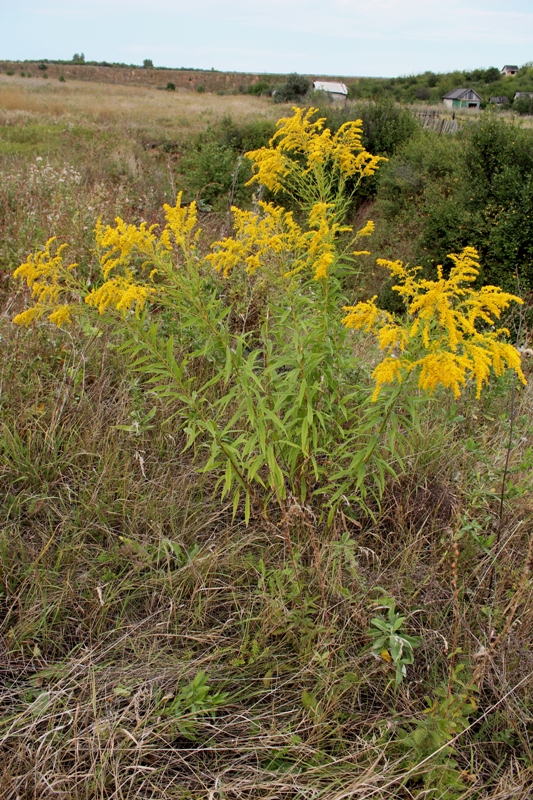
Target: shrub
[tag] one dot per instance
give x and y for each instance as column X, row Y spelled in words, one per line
column 200, row 88
column 61, row 78
column 523, row 106
column 474, row 188
column 422, row 93
column 170, row 87
column 260, row 88
column 10, row 72
column 293, row 90
column 214, row 168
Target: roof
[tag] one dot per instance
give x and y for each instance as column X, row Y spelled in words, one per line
column 330, row 86
column 457, row 94
column 510, row 66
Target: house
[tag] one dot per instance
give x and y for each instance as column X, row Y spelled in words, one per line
column 499, row 101
column 335, row 91
column 522, row 94
column 462, row 98
column 509, row 69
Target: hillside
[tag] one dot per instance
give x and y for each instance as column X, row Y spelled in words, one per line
column 210, row 80
column 428, row 87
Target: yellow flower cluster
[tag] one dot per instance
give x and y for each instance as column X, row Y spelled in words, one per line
column 274, row 237
column 450, row 323
column 124, row 246
column 120, row 292
column 181, row 222
column 309, row 145
column 117, row 245
column 47, row 277
column 126, row 253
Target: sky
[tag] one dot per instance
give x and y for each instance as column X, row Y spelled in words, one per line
column 330, row 37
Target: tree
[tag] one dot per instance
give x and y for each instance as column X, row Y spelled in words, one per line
column 492, row 74
column 78, row 58
column 148, row 63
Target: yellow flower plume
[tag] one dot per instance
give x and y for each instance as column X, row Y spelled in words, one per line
column 47, row 276
column 447, row 322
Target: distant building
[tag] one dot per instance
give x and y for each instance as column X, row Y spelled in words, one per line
column 509, row 69
column 499, row 101
column 523, row 94
column 462, row 98
column 336, row 91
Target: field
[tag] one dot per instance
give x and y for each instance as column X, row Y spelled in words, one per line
column 231, row 567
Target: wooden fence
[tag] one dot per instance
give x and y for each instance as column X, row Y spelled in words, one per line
column 432, row 121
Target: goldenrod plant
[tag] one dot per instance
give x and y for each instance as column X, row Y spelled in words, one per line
column 283, row 410
column 449, row 334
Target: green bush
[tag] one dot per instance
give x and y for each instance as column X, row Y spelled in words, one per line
column 294, row 89
column 523, row 106
column 214, row 169
column 170, row 87
column 474, row 188
column 260, row 88
column 200, row 88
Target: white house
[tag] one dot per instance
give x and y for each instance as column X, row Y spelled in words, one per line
column 335, row 91
column 462, row 98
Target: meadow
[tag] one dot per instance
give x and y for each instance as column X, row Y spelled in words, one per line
column 245, row 552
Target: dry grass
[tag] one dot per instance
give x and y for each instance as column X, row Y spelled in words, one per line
column 128, row 105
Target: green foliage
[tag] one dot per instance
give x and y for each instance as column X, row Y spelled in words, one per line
column 447, row 714
column 192, row 702
column 78, row 58
column 389, row 640
column 293, row 90
column 279, row 414
column 61, row 79
column 148, row 63
column 170, row 87
column 132, row 602
column 260, row 88
column 523, row 106
column 214, row 169
column 387, row 127
column 474, row 188
column 429, row 87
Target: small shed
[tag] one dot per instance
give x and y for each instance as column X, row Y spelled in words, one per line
column 510, row 69
column 462, row 98
column 500, row 100
column 335, row 91
column 523, row 94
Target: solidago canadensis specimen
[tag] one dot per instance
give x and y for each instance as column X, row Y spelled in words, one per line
column 448, row 337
